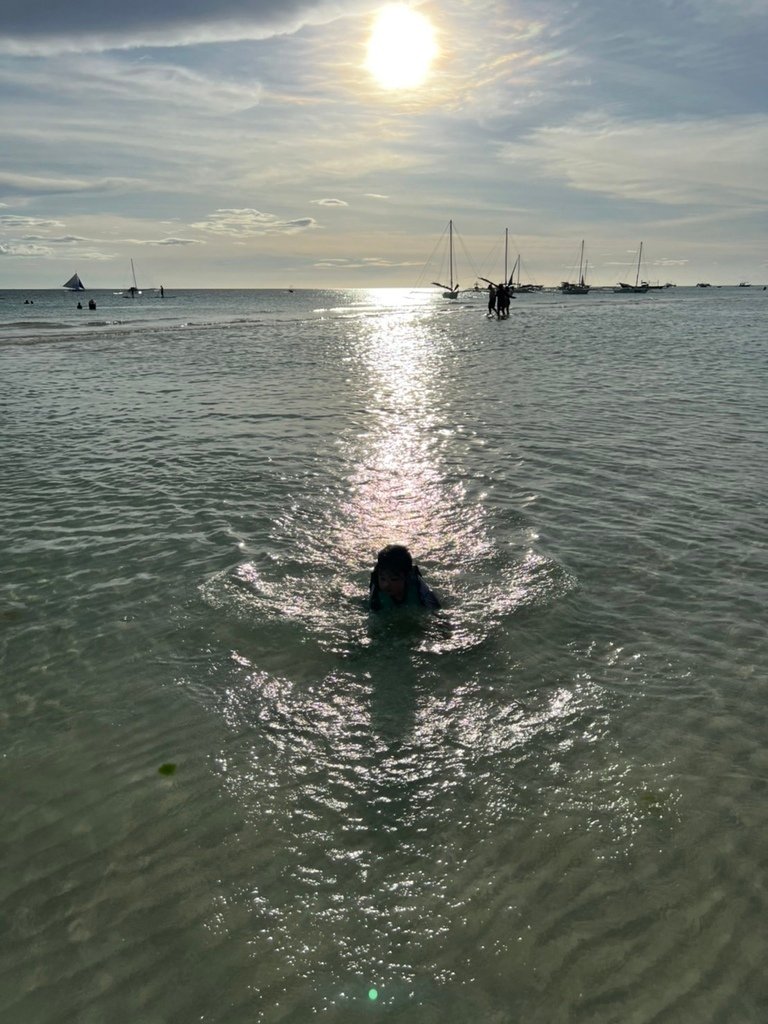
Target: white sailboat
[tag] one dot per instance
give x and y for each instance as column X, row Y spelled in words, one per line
column 74, row 284
column 638, row 287
column 452, row 289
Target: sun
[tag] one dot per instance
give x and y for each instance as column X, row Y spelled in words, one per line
column 401, row 48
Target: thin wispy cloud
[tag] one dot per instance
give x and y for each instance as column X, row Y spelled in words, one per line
column 241, row 223
column 175, row 241
column 52, row 240
column 14, row 222
column 366, row 262
column 32, row 184
column 24, row 250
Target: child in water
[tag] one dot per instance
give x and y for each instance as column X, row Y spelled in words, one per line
column 396, row 582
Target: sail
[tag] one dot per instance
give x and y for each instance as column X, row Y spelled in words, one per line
column 74, row 284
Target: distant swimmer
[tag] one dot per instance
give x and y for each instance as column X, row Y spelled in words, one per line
column 396, row 582
column 162, row 292
column 91, row 304
column 79, row 305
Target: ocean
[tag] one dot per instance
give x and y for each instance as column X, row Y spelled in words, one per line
column 231, row 794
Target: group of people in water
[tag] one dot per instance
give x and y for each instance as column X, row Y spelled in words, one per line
column 91, row 304
column 499, row 296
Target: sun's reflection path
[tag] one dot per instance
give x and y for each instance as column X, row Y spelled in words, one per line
column 409, row 462
column 371, row 748
column 404, row 486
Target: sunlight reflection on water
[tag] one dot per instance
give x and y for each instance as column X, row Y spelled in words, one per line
column 405, row 474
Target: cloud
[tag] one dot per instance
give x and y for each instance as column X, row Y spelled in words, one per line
column 155, row 241
column 32, row 250
column 345, row 263
column 328, row 202
column 24, row 250
column 246, row 222
column 61, row 240
column 31, row 184
column 374, row 195
column 14, row 222
column 700, row 161
column 40, row 27
column 177, row 241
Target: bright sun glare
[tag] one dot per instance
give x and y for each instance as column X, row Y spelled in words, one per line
column 401, row 48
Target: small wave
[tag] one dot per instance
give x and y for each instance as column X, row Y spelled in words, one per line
column 52, row 325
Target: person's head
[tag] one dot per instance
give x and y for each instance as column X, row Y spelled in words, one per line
column 394, row 565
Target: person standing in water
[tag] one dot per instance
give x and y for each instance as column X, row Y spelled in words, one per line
column 396, row 582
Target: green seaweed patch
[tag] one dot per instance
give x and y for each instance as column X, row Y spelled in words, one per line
column 167, row 769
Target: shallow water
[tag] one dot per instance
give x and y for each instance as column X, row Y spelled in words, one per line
column 546, row 803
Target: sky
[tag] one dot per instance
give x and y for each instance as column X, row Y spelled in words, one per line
column 246, row 143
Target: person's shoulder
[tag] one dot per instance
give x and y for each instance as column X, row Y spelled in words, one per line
column 427, row 596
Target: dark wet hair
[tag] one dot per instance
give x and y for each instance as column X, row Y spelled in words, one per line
column 395, row 558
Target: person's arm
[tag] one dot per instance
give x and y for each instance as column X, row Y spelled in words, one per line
column 426, row 596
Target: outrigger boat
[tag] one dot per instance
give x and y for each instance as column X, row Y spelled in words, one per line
column 582, row 288
column 451, row 290
column 74, row 284
column 639, row 286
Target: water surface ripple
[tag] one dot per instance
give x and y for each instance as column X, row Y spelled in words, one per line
column 545, row 803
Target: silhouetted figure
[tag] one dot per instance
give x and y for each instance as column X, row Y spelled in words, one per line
column 396, row 582
column 502, row 301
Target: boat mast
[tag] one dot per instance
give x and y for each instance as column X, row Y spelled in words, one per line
column 506, row 251
column 450, row 250
column 133, row 275
column 639, row 257
column 581, row 263
column 515, row 267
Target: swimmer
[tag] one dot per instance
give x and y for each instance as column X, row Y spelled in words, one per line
column 396, row 582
